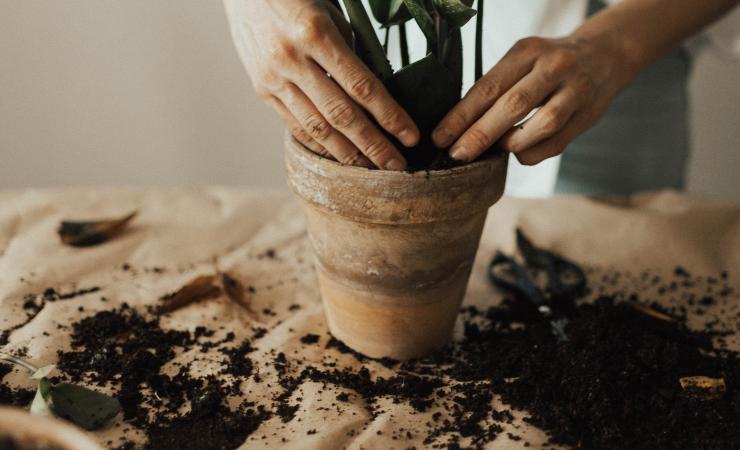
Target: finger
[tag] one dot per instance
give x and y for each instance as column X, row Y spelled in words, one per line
column 555, row 145
column 319, row 129
column 349, row 72
column 547, row 121
column 294, row 127
column 484, row 93
column 346, row 117
column 509, row 109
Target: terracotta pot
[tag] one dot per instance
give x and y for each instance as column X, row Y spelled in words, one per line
column 27, row 431
column 393, row 249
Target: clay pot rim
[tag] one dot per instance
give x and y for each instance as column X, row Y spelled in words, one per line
column 362, row 172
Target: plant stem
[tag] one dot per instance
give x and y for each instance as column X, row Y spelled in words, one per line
column 404, row 42
column 373, row 54
column 441, row 36
column 452, row 56
column 385, row 40
column 25, row 364
column 479, row 42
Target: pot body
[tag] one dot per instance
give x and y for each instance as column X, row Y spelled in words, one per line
column 393, row 250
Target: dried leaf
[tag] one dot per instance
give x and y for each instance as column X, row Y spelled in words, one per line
column 704, row 387
column 235, row 292
column 198, row 289
column 650, row 312
column 86, row 408
column 86, row 234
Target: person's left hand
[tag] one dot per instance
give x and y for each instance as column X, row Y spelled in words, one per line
column 571, row 80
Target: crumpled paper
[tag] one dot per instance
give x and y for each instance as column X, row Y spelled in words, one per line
column 189, row 232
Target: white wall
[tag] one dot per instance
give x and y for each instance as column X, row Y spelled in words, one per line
column 151, row 92
column 128, row 92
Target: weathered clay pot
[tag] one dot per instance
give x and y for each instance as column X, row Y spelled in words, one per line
column 393, row 249
column 27, row 431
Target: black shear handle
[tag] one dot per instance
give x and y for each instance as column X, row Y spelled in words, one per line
column 565, row 279
column 506, row 273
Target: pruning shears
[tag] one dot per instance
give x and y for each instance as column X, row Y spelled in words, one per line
column 566, row 281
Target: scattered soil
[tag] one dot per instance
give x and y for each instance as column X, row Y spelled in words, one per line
column 310, row 338
column 614, row 383
column 13, row 396
column 129, row 350
column 33, row 304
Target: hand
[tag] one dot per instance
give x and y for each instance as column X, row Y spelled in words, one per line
column 297, row 54
column 572, row 80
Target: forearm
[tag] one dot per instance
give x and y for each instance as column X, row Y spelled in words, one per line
column 641, row 31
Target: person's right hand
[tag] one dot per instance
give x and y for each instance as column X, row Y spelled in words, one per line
column 300, row 62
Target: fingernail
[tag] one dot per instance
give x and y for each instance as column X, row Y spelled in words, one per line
column 458, row 153
column 442, row 137
column 407, row 137
column 395, row 164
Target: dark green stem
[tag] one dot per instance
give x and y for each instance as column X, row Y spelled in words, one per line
column 452, row 56
column 479, row 42
column 404, row 42
column 385, row 40
column 373, row 54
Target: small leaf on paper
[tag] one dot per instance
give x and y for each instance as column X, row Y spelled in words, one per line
column 86, row 234
column 86, row 408
column 43, row 372
column 703, row 387
column 235, row 291
column 201, row 288
column 40, row 404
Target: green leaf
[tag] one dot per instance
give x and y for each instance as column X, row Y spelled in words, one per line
column 456, row 12
column 389, row 12
column 422, row 17
column 367, row 45
column 40, row 403
column 86, row 408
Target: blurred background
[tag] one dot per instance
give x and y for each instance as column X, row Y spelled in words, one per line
column 143, row 92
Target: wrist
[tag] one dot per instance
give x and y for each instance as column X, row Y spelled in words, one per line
column 616, row 33
column 614, row 58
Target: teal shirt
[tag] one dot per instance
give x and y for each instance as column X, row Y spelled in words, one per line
column 641, row 143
